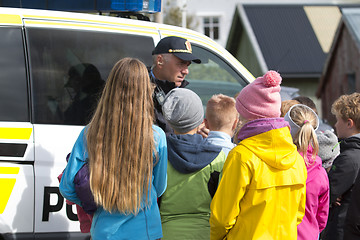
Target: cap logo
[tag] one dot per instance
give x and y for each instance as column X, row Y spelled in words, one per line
column 188, row 46
column 187, row 50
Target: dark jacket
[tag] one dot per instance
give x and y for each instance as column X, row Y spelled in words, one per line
column 190, row 153
column 164, row 87
column 82, row 188
column 342, row 177
column 352, row 221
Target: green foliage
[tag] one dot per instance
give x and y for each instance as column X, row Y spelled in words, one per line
column 173, row 16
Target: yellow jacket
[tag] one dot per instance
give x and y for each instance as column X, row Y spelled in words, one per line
column 261, row 194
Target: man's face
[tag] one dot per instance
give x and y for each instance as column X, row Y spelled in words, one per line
column 174, row 69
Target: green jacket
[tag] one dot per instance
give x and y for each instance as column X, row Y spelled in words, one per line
column 185, row 205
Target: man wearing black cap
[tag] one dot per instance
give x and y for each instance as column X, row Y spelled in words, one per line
column 171, row 59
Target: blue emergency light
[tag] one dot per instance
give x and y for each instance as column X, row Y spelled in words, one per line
column 149, row 6
column 136, row 5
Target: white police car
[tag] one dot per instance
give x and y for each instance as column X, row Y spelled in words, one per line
column 50, row 64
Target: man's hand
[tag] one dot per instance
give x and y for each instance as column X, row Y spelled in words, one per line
column 338, row 202
column 203, row 131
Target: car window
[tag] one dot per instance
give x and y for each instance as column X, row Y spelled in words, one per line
column 213, row 76
column 13, row 85
column 69, row 69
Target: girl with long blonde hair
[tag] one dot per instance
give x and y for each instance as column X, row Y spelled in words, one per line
column 126, row 156
column 303, row 123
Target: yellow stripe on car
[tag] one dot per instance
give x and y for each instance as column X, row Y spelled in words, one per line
column 92, row 21
column 83, row 25
column 7, row 185
column 15, row 133
column 10, row 19
column 9, row 170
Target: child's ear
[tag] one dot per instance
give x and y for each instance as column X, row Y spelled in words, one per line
column 235, row 124
column 206, row 123
column 350, row 123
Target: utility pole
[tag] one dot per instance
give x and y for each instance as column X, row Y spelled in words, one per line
column 183, row 11
column 159, row 15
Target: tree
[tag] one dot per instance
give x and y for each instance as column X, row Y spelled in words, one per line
column 173, row 16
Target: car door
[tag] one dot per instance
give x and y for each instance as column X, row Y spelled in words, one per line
column 16, row 133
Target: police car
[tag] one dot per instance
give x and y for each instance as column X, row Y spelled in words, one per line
column 51, row 65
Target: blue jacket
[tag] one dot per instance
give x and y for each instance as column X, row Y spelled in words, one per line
column 146, row 224
column 221, row 139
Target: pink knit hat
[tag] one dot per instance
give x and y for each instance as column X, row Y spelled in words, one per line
column 261, row 98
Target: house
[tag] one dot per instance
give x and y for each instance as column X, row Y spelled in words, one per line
column 214, row 17
column 293, row 39
column 341, row 73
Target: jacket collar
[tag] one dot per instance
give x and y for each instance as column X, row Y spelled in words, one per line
column 261, row 125
column 165, row 85
column 189, row 153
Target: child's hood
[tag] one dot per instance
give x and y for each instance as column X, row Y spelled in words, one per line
column 190, row 153
column 313, row 166
column 352, row 142
column 273, row 145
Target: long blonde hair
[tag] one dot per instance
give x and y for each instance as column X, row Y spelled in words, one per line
column 120, row 139
column 307, row 121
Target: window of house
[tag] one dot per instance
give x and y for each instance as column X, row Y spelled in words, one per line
column 211, row 27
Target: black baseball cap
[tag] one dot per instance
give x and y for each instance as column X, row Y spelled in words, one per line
column 178, row 46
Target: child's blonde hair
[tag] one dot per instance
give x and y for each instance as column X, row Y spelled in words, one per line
column 221, row 112
column 286, row 105
column 306, row 122
column 348, row 106
column 120, row 139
